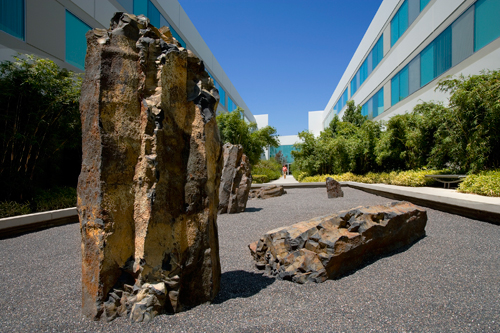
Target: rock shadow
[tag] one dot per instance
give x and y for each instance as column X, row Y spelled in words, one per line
column 241, row 284
column 253, row 209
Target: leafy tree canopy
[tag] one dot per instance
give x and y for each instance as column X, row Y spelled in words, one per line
column 39, row 122
column 234, row 129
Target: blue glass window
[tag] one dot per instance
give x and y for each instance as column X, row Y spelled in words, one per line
column 427, row 65
column 128, row 5
column 462, row 37
column 442, row 52
column 487, row 23
column 153, row 15
column 231, row 106
column 423, row 3
column 12, row 17
column 363, row 72
column 141, row 7
column 400, row 86
column 286, row 150
column 378, row 52
column 374, row 106
column 371, row 62
column 176, row 36
column 76, row 42
column 395, row 89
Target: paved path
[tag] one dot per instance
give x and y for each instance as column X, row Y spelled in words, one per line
column 289, row 180
column 447, row 282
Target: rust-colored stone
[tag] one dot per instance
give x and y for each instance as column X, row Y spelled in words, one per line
column 148, row 188
column 330, row 246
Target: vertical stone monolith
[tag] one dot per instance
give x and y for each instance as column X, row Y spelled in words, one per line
column 236, row 180
column 148, row 188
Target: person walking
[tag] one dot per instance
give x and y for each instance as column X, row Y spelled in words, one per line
column 285, row 169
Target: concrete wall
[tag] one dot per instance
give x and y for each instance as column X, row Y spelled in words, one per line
column 315, row 121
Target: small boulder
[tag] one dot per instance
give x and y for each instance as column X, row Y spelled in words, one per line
column 333, row 188
column 267, row 192
column 330, row 246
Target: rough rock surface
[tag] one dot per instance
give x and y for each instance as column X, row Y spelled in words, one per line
column 330, row 246
column 148, row 188
column 333, row 188
column 236, row 180
column 267, row 192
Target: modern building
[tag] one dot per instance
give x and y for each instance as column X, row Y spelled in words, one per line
column 55, row 29
column 408, row 48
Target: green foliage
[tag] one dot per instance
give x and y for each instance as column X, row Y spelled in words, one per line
column 270, row 168
column 352, row 114
column 484, row 183
column 344, row 146
column 234, row 129
column 40, row 132
column 44, row 200
column 414, row 178
column 473, row 139
column 259, row 179
column 12, row 208
column 55, row 198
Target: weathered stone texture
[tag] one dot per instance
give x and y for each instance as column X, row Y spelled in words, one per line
column 328, row 247
column 266, row 192
column 148, row 188
column 333, row 188
column 236, row 180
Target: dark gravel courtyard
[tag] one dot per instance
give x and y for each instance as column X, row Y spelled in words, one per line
column 449, row 281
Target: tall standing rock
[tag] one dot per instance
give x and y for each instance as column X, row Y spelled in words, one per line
column 236, row 180
column 148, row 188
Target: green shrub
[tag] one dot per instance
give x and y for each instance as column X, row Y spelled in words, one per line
column 484, row 183
column 12, row 208
column 270, row 168
column 259, row 179
column 55, row 198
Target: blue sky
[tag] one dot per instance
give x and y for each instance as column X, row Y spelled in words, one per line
column 285, row 58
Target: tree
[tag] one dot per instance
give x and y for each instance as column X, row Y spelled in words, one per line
column 352, row 114
column 39, row 124
column 234, row 129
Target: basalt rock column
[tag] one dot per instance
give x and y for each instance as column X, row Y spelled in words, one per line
column 236, row 180
column 148, row 189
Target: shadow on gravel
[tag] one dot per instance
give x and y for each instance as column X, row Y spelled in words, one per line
column 253, row 209
column 243, row 284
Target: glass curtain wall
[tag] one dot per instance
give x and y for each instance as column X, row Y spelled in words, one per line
column 12, row 17
column 474, row 29
column 374, row 106
column 371, row 62
column 76, row 42
column 406, row 14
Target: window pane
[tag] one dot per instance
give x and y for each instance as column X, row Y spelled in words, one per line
column 176, row 36
column 442, row 52
column 403, row 18
column 12, row 17
column 403, row 83
column 369, row 63
column 163, row 22
column 141, row 7
column 353, row 86
column 462, row 37
column 76, row 42
column 395, row 29
column 364, row 109
column 380, row 104
column 427, row 65
column 423, row 3
column 153, row 15
column 395, row 89
column 363, row 72
column 487, row 22
column 414, row 75
column 128, row 5
column 378, row 52
column 413, row 10
column 370, row 108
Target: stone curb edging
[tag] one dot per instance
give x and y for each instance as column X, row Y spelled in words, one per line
column 11, row 226
column 484, row 211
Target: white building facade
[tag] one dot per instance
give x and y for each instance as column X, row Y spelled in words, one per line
column 55, row 29
column 408, row 48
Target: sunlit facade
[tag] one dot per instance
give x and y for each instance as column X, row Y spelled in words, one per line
column 408, row 48
column 56, row 30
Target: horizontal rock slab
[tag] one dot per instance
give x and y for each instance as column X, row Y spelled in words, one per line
column 330, row 246
column 267, row 192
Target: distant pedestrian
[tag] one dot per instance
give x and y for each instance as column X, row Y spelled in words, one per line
column 285, row 169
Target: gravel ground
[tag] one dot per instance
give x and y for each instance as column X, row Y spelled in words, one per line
column 448, row 281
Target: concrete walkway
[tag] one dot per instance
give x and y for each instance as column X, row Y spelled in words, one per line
column 289, row 180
